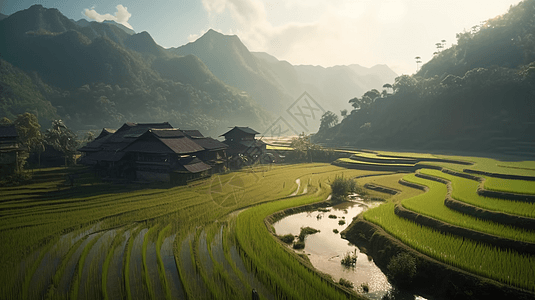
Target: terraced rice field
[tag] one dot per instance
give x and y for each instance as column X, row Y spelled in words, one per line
column 111, row 241
column 209, row 239
column 513, row 267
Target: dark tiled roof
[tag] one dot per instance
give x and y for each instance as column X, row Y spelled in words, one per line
column 193, row 165
column 105, row 132
column 198, row 167
column 242, row 129
column 8, row 131
column 210, row 143
column 95, row 145
column 193, row 133
column 133, row 130
column 163, row 141
column 167, row 133
column 182, row 145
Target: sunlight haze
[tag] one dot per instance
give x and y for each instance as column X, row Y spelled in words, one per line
column 311, row 32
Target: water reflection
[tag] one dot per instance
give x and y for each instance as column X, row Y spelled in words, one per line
column 326, row 248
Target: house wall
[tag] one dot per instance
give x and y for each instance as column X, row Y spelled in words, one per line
column 239, row 136
column 152, row 176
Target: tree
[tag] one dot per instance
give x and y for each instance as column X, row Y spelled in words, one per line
column 328, row 120
column 343, row 113
column 366, row 101
column 5, row 121
column 62, row 139
column 418, row 62
column 29, row 132
column 404, row 84
column 388, row 86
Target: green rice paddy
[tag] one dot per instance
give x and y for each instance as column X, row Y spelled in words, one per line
column 209, row 239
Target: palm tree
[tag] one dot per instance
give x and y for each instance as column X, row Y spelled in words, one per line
column 418, row 62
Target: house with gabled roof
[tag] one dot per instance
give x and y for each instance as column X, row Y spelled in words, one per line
column 155, row 152
column 242, row 143
column 167, row 155
column 105, row 152
column 9, row 149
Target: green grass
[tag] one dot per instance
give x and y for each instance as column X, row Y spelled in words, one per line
column 510, row 186
column 352, row 161
column 432, row 204
column 377, row 157
column 502, row 265
column 465, row 190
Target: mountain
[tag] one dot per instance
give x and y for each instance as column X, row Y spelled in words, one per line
column 144, row 43
column 20, row 93
column 102, row 74
column 276, row 84
column 121, row 26
column 477, row 95
column 97, row 75
column 229, row 59
column 332, row 86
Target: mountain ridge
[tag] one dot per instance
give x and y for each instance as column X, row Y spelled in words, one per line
column 476, row 96
column 82, row 53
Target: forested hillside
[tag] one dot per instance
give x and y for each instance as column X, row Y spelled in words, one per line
column 97, row 75
column 478, row 95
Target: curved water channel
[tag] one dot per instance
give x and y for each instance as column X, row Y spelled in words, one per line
column 326, row 248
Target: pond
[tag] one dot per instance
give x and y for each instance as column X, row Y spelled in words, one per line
column 326, row 248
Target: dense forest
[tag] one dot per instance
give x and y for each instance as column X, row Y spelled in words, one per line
column 478, row 95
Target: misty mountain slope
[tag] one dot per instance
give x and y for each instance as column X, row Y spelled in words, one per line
column 19, row 94
column 144, row 43
column 96, row 82
column 477, row 95
column 228, row 59
column 332, row 87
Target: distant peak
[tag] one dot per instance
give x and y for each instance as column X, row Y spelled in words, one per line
column 36, row 6
column 144, row 36
column 211, row 31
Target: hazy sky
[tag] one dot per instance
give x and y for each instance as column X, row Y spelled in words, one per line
column 327, row 33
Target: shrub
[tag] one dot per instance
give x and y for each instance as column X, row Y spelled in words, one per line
column 335, row 230
column 401, row 269
column 324, row 210
column 341, row 222
column 346, row 283
column 287, row 238
column 342, row 187
column 350, row 259
column 299, row 245
column 306, row 231
column 365, row 287
column 332, row 217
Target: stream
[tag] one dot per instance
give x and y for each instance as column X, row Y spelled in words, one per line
column 326, row 248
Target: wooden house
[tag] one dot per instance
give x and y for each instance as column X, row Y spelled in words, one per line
column 166, row 155
column 9, row 150
column 106, row 153
column 242, row 143
column 154, row 152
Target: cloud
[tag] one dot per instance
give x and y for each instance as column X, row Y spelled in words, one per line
column 121, row 16
column 329, row 33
